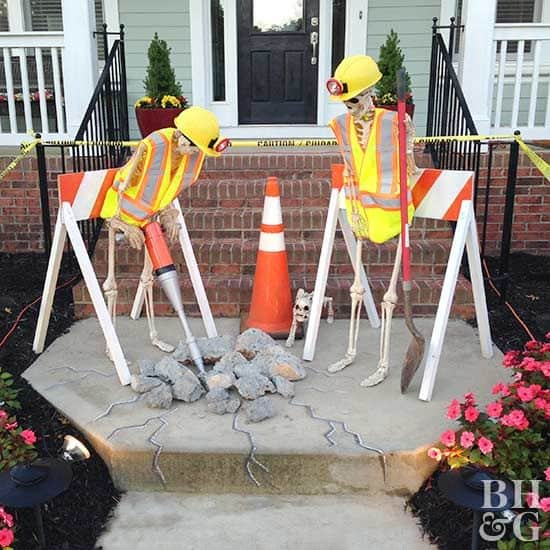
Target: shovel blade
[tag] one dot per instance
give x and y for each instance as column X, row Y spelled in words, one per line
column 415, row 351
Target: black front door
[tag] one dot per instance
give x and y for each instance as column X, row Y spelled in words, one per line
column 277, row 61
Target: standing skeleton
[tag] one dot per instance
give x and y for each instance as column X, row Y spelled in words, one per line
column 134, row 235
column 362, row 109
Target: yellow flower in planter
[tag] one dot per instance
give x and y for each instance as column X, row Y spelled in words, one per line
column 168, row 101
column 144, row 101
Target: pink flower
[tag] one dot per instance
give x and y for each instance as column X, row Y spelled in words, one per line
column 470, row 398
column 515, row 419
column 453, row 412
column 6, row 537
column 547, row 335
column 467, row 439
column 3, row 414
column 485, row 445
column 532, row 500
column 435, row 453
column 529, row 364
column 511, row 359
column 545, row 369
column 6, row 518
column 501, row 388
column 471, row 414
column 545, row 504
column 535, row 388
column 540, row 403
column 448, row 438
column 525, row 394
column 532, row 345
column 11, row 426
column 547, row 473
column 494, row 409
column 28, row 437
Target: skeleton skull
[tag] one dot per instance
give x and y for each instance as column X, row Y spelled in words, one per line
column 361, row 105
column 302, row 305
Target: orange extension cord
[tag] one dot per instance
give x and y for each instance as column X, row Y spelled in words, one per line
column 29, row 305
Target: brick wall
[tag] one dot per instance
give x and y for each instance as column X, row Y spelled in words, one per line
column 21, row 222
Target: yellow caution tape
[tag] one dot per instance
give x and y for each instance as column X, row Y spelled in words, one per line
column 26, row 148
column 538, row 161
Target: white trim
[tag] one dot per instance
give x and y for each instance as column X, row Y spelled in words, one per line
column 227, row 111
column 112, row 19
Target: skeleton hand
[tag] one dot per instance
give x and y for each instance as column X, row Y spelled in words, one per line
column 169, row 221
column 133, row 234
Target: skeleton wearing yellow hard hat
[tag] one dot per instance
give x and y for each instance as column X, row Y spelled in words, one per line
column 368, row 140
column 166, row 162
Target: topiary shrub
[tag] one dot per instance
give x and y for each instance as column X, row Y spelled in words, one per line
column 161, row 78
column 390, row 60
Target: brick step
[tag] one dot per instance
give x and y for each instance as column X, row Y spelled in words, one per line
column 307, row 222
column 238, row 256
column 230, row 296
column 240, row 193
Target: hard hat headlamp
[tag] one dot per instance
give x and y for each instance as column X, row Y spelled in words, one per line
column 219, row 144
column 336, row 87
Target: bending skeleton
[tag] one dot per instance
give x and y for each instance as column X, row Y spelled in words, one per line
column 362, row 110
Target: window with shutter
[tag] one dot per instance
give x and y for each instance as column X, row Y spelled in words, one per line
column 4, row 23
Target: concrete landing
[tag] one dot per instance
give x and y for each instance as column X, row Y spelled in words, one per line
column 226, row 522
column 189, row 449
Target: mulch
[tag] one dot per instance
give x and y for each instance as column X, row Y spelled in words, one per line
column 443, row 523
column 75, row 519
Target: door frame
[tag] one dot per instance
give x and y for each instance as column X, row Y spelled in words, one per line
column 227, row 111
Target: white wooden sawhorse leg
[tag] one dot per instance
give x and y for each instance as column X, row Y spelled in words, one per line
column 194, row 274
column 335, row 214
column 465, row 235
column 66, row 224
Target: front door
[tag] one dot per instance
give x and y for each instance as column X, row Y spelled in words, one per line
column 278, row 59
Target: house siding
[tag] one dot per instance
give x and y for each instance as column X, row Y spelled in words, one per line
column 413, row 25
column 141, row 18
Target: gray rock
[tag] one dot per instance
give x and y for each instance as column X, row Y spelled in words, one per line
column 230, row 361
column 187, row 387
column 169, row 370
column 159, row 397
column 262, row 363
column 247, row 369
column 220, row 401
column 284, row 387
column 220, row 380
column 251, row 341
column 259, row 409
column 212, row 349
column 253, row 386
column 146, row 367
column 143, row 384
column 283, row 363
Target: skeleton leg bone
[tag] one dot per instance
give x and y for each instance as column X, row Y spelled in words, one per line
column 387, row 307
column 327, row 301
column 356, row 292
column 110, row 289
column 146, row 279
column 292, row 334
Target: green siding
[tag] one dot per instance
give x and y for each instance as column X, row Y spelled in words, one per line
column 141, row 18
column 413, row 25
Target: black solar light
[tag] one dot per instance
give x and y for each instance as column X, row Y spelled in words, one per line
column 466, row 487
column 31, row 485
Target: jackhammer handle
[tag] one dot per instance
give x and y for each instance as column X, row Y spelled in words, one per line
column 401, row 76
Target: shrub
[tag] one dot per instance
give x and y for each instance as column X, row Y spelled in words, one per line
column 390, row 60
column 8, row 394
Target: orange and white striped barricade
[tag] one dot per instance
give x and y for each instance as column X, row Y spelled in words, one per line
column 448, row 195
column 194, row 274
column 81, row 197
column 336, row 214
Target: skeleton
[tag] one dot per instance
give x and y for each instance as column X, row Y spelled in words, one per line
column 361, row 108
column 300, row 312
column 135, row 237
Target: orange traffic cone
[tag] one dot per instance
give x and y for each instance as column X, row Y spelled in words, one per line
column 271, row 306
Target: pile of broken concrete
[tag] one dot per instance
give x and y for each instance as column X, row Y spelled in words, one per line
column 238, row 370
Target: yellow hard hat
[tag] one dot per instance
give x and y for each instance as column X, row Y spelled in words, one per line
column 353, row 75
column 201, row 127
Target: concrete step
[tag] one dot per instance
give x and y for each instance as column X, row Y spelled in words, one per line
column 262, row 522
column 323, row 441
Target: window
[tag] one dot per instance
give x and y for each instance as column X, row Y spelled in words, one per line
column 338, row 32
column 218, row 57
column 517, row 11
column 4, row 23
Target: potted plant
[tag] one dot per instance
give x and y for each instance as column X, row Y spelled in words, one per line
column 164, row 100
column 390, row 60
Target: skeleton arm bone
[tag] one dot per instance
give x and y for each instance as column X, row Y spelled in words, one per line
column 411, row 133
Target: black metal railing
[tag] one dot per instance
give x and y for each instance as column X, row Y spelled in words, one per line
column 105, row 120
column 449, row 115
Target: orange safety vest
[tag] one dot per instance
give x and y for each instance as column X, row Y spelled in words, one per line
column 157, row 183
column 375, row 174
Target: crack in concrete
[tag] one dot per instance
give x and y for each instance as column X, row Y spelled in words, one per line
column 113, row 405
column 356, row 436
column 151, row 439
column 89, row 373
column 252, row 454
column 344, row 392
column 159, row 446
column 336, row 375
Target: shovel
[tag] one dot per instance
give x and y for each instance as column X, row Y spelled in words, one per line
column 415, row 351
